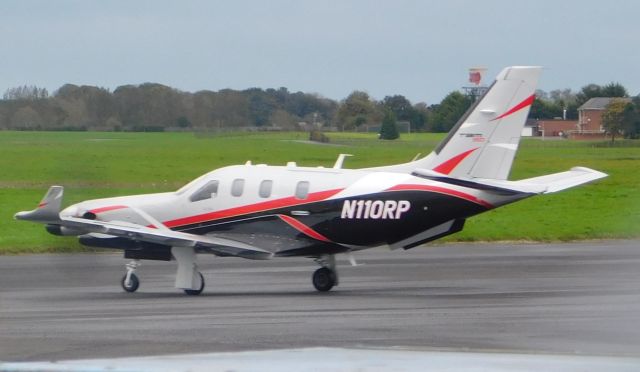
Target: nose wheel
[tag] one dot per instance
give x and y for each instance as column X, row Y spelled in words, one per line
column 131, row 284
column 130, row 281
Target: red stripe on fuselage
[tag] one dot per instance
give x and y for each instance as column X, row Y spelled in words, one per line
column 527, row 102
column 107, row 209
column 252, row 208
column 303, row 228
column 442, row 190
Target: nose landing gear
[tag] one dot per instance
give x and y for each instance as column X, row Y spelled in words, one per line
column 130, row 281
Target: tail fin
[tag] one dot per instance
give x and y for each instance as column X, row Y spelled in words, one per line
column 484, row 142
column 48, row 210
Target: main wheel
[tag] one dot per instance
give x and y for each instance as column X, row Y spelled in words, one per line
column 324, row 279
column 133, row 284
column 193, row 292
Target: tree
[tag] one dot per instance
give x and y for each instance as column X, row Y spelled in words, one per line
column 389, row 129
column 446, row 114
column 632, row 119
column 595, row 90
column 613, row 117
column 261, row 106
column 26, row 92
column 183, row 122
column 26, row 118
column 404, row 110
column 282, row 119
column 421, row 114
column 399, row 105
column 552, row 105
column 587, row 92
column 355, row 110
column 614, row 90
column 543, row 108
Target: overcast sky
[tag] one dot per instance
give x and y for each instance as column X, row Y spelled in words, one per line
column 420, row 49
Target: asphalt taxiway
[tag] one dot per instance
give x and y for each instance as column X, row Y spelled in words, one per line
column 577, row 298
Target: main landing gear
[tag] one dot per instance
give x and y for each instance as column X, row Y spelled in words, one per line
column 188, row 278
column 325, row 277
column 195, row 292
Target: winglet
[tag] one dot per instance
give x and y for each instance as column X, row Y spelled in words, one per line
column 48, row 210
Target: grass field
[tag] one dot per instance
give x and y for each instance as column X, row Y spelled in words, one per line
column 94, row 165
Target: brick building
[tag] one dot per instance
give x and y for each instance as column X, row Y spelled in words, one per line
column 556, row 127
column 590, row 118
column 588, row 126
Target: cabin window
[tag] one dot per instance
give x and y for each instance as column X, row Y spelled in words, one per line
column 302, row 189
column 208, row 191
column 265, row 188
column 237, row 187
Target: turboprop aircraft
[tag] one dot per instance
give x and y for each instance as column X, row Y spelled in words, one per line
column 263, row 212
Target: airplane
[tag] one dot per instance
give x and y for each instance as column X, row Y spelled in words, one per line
column 263, row 212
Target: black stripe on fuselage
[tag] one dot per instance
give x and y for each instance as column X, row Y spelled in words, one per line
column 428, row 209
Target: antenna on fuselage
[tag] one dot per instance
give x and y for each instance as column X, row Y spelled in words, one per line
column 340, row 161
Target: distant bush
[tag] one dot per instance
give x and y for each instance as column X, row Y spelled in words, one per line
column 53, row 129
column 318, row 136
column 147, row 128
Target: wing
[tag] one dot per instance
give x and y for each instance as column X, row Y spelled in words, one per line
column 239, row 238
column 282, row 234
column 219, row 246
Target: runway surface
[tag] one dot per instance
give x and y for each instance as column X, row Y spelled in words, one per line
column 550, row 298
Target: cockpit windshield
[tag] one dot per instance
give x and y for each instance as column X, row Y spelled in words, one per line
column 191, row 184
column 208, row 191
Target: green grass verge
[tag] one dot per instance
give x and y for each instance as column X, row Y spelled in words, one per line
column 93, row 165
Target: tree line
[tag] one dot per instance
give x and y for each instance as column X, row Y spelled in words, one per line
column 564, row 103
column 156, row 107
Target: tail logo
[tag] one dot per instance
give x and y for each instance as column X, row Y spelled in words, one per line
column 527, row 102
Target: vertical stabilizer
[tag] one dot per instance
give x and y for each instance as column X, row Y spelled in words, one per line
column 484, row 142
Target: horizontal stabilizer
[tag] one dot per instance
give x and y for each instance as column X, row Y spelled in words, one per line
column 538, row 185
column 48, row 211
column 495, row 186
column 564, row 180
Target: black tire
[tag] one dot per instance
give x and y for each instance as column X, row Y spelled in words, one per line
column 324, row 279
column 134, row 283
column 195, row 292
